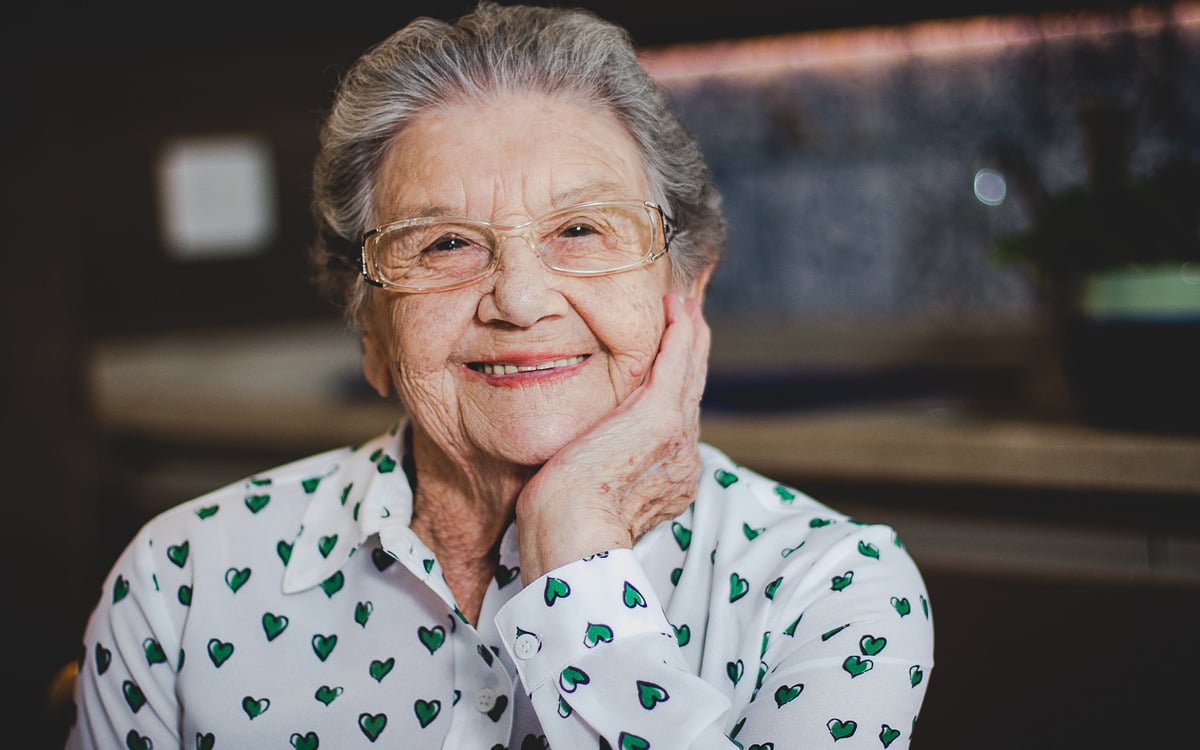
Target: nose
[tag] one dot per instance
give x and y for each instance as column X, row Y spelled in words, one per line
column 523, row 290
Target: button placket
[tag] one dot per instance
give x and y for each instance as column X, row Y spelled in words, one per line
column 484, row 714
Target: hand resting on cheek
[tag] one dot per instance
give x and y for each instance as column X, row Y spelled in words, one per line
column 637, row 467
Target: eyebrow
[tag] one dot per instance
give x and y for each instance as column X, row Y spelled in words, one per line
column 593, row 192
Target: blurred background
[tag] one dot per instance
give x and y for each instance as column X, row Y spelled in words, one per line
column 961, row 296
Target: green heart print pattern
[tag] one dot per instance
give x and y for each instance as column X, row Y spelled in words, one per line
column 134, row 697
column 300, row 628
column 597, row 634
column 629, row 741
column 326, row 544
column 273, row 625
column 682, row 534
column 840, row 730
column 219, row 652
column 725, row 478
column 323, row 645
column 738, row 587
column 362, row 612
column 135, row 741
column 327, row 695
column 235, row 578
column 651, row 694
column 178, row 553
column 103, row 659
column 842, row 582
column 255, row 707
column 333, row 584
column 381, row 668
column 571, row 678
column 555, row 589
column 734, row 670
column 632, row 597
column 120, row 588
column 154, row 652
column 683, row 634
column 856, row 666
column 785, row 694
column 866, row 549
column 427, row 711
column 506, row 575
column 431, row 638
column 372, row 725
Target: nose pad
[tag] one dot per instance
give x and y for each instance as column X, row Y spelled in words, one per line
column 503, row 252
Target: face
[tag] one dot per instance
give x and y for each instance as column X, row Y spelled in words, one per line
column 451, row 355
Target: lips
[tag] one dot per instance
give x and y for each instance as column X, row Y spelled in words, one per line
column 506, row 368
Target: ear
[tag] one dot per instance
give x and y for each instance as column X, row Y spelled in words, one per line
column 699, row 286
column 375, row 364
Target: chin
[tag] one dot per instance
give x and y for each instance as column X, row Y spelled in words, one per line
column 536, row 441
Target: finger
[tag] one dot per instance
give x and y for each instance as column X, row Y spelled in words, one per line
column 702, row 346
column 676, row 380
column 698, row 352
column 671, row 366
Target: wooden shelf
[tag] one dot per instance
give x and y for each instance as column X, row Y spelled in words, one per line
column 295, row 389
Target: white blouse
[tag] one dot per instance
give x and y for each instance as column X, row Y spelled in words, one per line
column 298, row 609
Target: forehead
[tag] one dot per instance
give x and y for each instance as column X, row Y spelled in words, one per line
column 506, row 159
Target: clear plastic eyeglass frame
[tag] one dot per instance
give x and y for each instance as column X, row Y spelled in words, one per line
column 664, row 228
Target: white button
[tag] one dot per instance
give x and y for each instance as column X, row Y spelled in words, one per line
column 485, row 700
column 527, row 645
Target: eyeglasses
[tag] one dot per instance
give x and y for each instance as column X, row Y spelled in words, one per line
column 437, row 254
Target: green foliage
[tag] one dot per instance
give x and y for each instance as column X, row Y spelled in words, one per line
column 1094, row 227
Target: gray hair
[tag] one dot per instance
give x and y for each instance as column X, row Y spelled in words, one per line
column 495, row 50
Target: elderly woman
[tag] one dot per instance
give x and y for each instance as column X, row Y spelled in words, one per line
column 541, row 553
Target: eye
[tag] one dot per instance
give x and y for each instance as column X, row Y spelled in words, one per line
column 578, row 229
column 447, row 243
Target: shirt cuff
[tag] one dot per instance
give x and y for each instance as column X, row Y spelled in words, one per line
column 558, row 618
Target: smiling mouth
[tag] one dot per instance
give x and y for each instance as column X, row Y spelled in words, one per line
column 499, row 368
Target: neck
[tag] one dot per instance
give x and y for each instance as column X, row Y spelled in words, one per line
column 462, row 506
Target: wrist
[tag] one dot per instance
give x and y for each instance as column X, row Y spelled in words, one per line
column 546, row 543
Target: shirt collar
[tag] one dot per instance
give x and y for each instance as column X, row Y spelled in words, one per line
column 348, row 505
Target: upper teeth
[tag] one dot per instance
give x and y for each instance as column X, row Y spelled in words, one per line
column 498, row 369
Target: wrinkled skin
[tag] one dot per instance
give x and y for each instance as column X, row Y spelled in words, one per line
column 633, row 469
column 588, row 455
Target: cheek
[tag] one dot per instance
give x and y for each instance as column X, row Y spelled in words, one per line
column 629, row 321
column 422, row 330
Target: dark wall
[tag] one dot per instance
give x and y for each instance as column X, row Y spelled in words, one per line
column 112, row 86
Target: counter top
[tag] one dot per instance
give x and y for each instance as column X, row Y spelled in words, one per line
column 297, row 389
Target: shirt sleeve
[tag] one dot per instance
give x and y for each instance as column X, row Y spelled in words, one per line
column 836, row 649
column 846, row 649
column 601, row 664
column 125, row 691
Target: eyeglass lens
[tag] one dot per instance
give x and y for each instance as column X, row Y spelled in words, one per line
column 588, row 238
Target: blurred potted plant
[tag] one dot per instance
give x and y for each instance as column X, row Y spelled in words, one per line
column 1118, row 260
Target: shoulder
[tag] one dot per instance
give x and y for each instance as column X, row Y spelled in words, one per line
column 732, row 495
column 273, row 494
column 211, row 530
column 784, row 537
